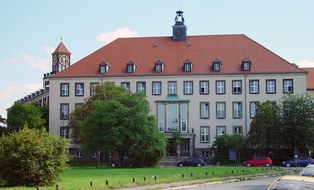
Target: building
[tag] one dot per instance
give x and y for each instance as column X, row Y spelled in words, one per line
column 310, row 82
column 203, row 86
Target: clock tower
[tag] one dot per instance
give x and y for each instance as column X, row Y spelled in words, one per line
column 179, row 28
column 61, row 58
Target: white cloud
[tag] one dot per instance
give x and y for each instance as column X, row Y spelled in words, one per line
column 40, row 64
column 14, row 91
column 305, row 63
column 48, row 49
column 120, row 32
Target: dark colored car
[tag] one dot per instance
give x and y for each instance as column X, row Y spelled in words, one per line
column 300, row 161
column 258, row 161
column 191, row 162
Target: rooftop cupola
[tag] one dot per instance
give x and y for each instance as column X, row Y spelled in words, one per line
column 179, row 28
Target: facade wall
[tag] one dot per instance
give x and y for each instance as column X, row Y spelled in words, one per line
column 194, row 120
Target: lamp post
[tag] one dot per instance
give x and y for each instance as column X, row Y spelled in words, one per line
column 99, row 158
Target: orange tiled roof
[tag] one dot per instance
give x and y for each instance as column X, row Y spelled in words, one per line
column 309, row 78
column 231, row 50
column 61, row 49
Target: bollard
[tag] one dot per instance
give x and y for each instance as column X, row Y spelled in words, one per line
column 155, row 177
column 133, row 180
column 206, row 173
column 57, row 187
column 107, row 182
column 144, row 178
column 191, row 174
column 182, row 175
column 37, row 188
column 213, row 173
column 91, row 184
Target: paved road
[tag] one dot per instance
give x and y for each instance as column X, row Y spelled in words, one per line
column 256, row 184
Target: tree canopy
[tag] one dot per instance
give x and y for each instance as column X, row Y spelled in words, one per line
column 288, row 125
column 24, row 115
column 116, row 119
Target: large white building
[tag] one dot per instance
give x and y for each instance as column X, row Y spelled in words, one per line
column 203, row 86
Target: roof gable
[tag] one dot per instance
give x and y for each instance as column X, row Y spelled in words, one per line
column 61, row 49
column 231, row 50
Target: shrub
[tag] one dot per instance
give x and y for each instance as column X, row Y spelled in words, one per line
column 32, row 157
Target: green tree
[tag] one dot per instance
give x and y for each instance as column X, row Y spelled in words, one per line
column 265, row 128
column 32, row 157
column 115, row 119
column 226, row 142
column 24, row 115
column 2, row 127
column 297, row 119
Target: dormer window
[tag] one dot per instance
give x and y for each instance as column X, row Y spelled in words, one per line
column 104, row 67
column 187, row 66
column 131, row 67
column 216, row 64
column 159, row 66
column 246, row 65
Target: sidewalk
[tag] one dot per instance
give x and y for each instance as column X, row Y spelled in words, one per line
column 176, row 185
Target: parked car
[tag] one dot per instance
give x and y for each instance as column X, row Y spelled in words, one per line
column 303, row 181
column 191, row 162
column 300, row 161
column 258, row 161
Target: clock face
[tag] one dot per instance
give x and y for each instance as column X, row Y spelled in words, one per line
column 179, row 32
column 64, row 60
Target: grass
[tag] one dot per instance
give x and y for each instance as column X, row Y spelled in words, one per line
column 79, row 178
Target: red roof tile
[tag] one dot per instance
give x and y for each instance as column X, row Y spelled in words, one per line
column 231, row 50
column 61, row 49
column 309, row 78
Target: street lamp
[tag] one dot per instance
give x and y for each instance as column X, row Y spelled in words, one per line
column 99, row 158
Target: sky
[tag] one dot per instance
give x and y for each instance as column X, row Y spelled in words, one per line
column 31, row 30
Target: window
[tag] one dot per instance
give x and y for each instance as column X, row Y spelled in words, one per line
column 64, row 132
column 246, row 65
column 204, row 87
column 236, row 87
column 172, row 88
column 254, row 86
column 270, row 86
column 104, row 67
column 253, row 108
column 94, row 155
column 156, row 88
column 159, row 66
column 204, row 134
column 204, row 107
column 130, row 68
column 172, row 119
column 221, row 110
column 79, row 89
column 184, row 117
column 64, row 89
column 64, row 111
column 125, row 85
column 237, row 130
column 287, row 86
column 187, row 66
column 93, row 88
column 79, row 154
column 237, row 110
column 140, row 87
column 161, row 117
column 220, row 87
column 220, row 130
column 188, row 87
column 216, row 65
column 77, row 105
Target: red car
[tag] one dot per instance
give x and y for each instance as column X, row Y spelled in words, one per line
column 258, row 161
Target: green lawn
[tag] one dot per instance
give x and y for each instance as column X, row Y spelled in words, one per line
column 77, row 178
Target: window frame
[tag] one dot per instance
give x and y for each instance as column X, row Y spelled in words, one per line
column 267, row 86
column 141, row 88
column 92, row 88
column 204, row 134
column 172, row 88
column 186, row 88
column 235, row 131
column 66, row 130
column 204, row 87
column 284, row 85
column 240, row 115
column 64, row 116
column 126, row 85
column 79, row 90
column 221, row 127
column 219, row 87
column 236, row 89
column 155, row 91
column 252, row 116
column 62, row 90
column 254, row 89
column 203, row 114
column 224, row 110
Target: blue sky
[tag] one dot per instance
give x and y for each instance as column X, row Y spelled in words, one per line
column 31, row 30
